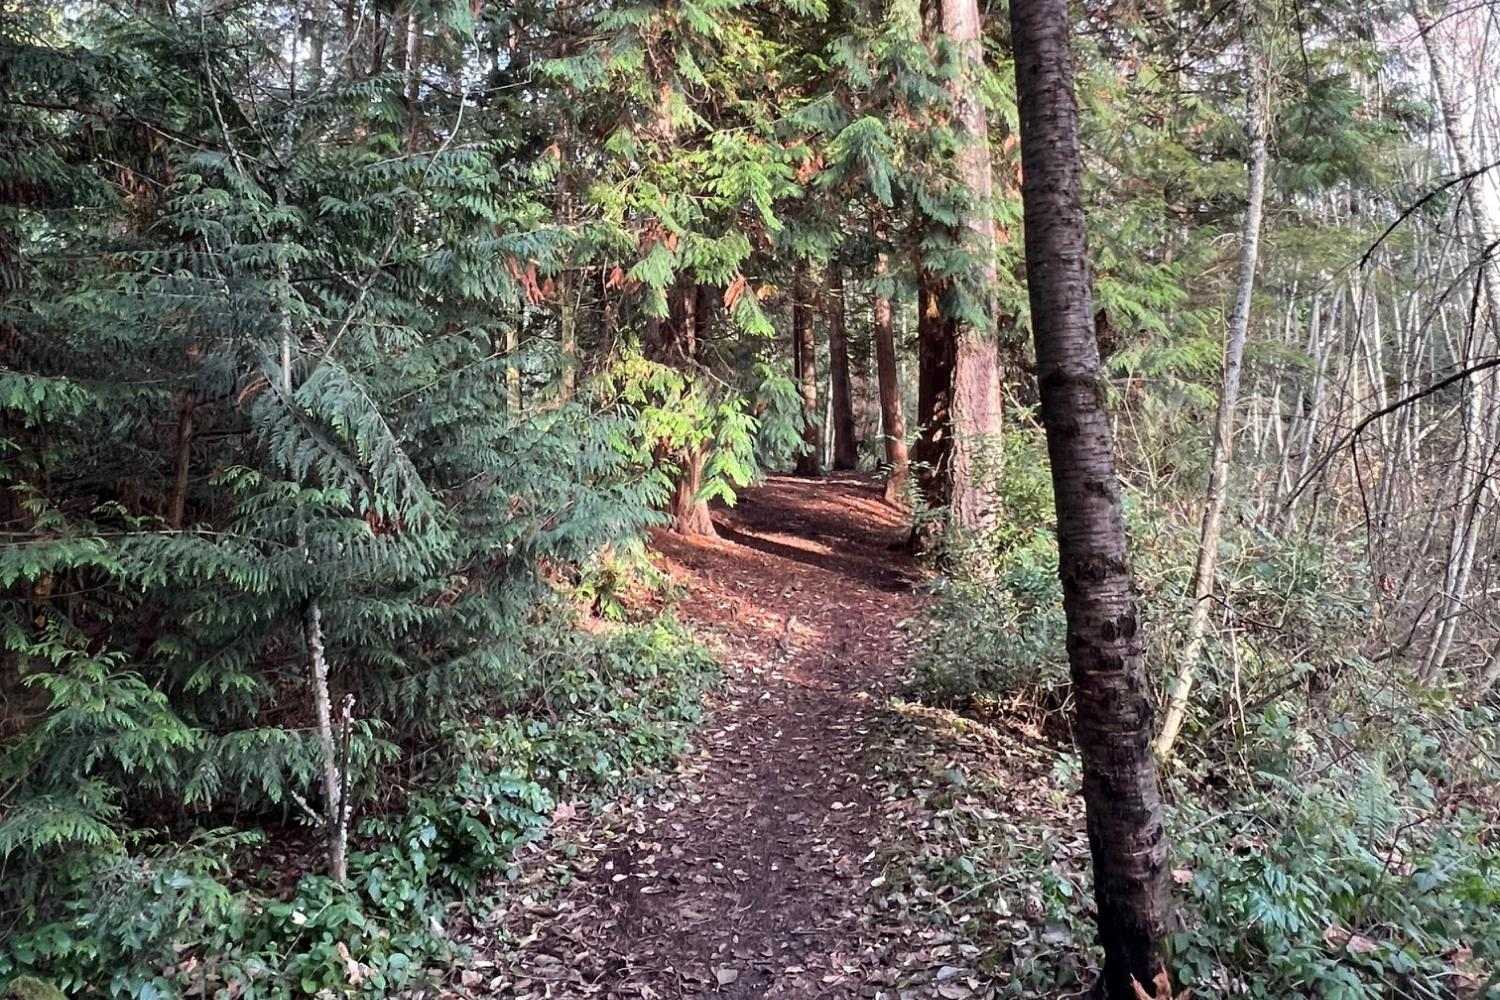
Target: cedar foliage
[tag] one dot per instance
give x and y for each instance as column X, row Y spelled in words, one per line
column 254, row 365
column 410, row 319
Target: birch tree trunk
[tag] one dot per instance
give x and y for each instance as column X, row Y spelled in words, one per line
column 1478, row 432
column 1476, row 207
column 1202, row 585
column 1105, row 645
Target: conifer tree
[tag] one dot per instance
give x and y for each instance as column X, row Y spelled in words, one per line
column 974, row 404
column 845, row 446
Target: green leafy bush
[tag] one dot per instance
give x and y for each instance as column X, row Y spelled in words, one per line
column 1332, row 821
column 1373, row 875
column 1000, row 633
column 1337, row 891
column 158, row 921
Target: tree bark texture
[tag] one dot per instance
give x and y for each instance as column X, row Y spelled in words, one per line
column 935, row 359
column 975, row 399
column 805, row 367
column 845, row 440
column 1105, row 646
column 182, row 462
column 690, row 515
column 892, row 418
column 677, row 345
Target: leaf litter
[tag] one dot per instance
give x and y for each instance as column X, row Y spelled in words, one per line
column 779, row 859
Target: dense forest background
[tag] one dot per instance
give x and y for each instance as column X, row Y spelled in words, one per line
column 351, row 350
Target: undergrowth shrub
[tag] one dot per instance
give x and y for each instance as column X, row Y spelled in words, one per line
column 270, row 479
column 157, row 918
column 1362, row 877
column 1000, row 634
column 1356, row 884
column 1333, row 823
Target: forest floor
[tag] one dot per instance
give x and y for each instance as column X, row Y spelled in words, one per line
column 758, row 869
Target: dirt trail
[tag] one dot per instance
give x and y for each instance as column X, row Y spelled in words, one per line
column 743, row 876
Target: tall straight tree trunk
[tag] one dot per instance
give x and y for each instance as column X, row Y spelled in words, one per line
column 567, row 292
column 567, row 287
column 335, row 812
column 412, row 72
column 1476, row 457
column 845, row 444
column 1476, row 207
column 1105, row 645
column 677, row 345
column 932, row 449
column 182, row 461
column 805, row 367
column 351, row 48
column 975, row 397
column 315, row 27
column 690, row 514
column 892, row 419
column 1202, row 586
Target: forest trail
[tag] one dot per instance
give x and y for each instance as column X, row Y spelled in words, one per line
column 743, row 876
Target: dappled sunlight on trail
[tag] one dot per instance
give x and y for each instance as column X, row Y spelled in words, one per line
column 745, row 874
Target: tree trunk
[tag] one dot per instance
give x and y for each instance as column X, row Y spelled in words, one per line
column 845, row 443
column 182, row 461
column 315, row 28
column 335, row 815
column 1476, row 206
column 930, row 453
column 1202, row 586
column 682, row 325
column 335, row 812
column 690, row 515
column 975, row 399
column 568, row 339
column 1476, row 455
column 707, row 300
column 567, row 293
column 1105, row 645
column 412, row 72
column 892, row 419
column 350, row 49
column 805, row 362
column 676, row 343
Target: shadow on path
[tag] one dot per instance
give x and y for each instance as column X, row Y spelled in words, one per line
column 742, row 875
